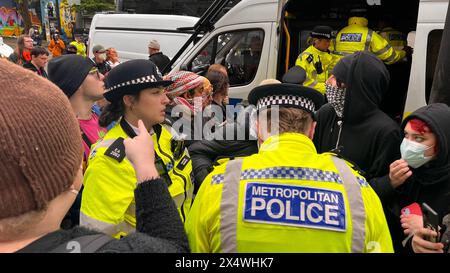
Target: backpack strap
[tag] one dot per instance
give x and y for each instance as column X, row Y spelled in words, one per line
column 84, row 244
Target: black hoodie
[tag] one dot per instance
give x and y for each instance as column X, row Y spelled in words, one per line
column 429, row 183
column 369, row 138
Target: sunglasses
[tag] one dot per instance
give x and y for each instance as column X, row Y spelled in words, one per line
column 94, row 71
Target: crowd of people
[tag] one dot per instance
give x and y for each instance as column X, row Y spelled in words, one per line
column 120, row 158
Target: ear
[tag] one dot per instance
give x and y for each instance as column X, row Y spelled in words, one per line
column 312, row 129
column 128, row 100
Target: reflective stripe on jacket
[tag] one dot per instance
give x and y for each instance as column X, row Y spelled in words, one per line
column 307, row 60
column 357, row 37
column 108, row 196
column 394, row 37
column 287, row 198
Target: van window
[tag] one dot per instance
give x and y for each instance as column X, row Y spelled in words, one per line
column 238, row 51
column 433, row 45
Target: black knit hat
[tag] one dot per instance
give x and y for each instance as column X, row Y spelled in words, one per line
column 69, row 71
column 286, row 95
column 131, row 77
column 322, row 32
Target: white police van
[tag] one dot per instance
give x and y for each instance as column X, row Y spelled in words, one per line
column 260, row 39
column 130, row 34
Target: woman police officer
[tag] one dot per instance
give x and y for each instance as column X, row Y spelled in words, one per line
column 135, row 91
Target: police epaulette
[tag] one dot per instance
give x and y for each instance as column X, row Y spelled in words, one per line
column 116, row 150
column 310, row 58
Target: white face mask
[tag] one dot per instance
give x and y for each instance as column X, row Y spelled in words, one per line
column 102, row 56
column 414, row 153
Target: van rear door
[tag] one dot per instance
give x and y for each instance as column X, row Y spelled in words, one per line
column 430, row 25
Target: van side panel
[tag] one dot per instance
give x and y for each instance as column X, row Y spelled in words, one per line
column 131, row 33
column 134, row 44
column 431, row 16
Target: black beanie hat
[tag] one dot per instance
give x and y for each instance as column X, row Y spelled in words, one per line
column 69, row 71
column 131, row 77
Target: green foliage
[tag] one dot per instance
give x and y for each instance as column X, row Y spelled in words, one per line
column 93, row 6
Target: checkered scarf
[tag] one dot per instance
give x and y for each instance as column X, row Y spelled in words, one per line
column 336, row 98
column 183, row 81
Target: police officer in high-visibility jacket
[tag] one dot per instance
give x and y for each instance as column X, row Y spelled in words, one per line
column 316, row 59
column 135, row 91
column 358, row 37
column 286, row 198
column 394, row 37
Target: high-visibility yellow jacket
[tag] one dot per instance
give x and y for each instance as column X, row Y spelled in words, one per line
column 109, row 183
column 358, row 37
column 81, row 48
column 287, row 198
column 394, row 37
column 309, row 60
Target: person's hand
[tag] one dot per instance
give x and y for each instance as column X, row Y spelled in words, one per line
column 411, row 223
column 140, row 152
column 420, row 245
column 409, row 50
column 398, row 172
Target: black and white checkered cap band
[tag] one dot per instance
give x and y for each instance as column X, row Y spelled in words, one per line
column 150, row 78
column 327, row 35
column 286, row 100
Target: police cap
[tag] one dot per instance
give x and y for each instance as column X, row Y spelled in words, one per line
column 286, row 95
column 131, row 77
column 322, row 32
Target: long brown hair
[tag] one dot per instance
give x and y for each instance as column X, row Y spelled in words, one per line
column 20, row 46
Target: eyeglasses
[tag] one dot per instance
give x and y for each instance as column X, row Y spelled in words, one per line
column 94, row 71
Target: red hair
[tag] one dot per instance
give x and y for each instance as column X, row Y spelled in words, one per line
column 419, row 126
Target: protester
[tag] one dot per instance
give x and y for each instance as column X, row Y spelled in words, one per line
column 351, row 124
column 236, row 139
column 39, row 59
column 255, row 204
column 220, row 85
column 112, row 59
column 35, row 35
column 189, row 95
column 80, row 80
column 22, row 53
column 219, row 68
column 100, row 59
column 422, row 175
column 421, row 243
column 135, row 91
column 56, row 45
column 156, row 56
column 38, row 189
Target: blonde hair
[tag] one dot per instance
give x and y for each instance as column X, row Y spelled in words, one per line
column 269, row 81
column 290, row 120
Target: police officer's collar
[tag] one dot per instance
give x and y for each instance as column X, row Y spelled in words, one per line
column 286, row 95
column 131, row 130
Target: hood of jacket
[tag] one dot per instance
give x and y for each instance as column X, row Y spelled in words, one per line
column 437, row 117
column 367, row 81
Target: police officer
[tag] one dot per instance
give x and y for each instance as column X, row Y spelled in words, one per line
column 286, row 198
column 316, row 59
column 135, row 91
column 394, row 37
column 358, row 37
